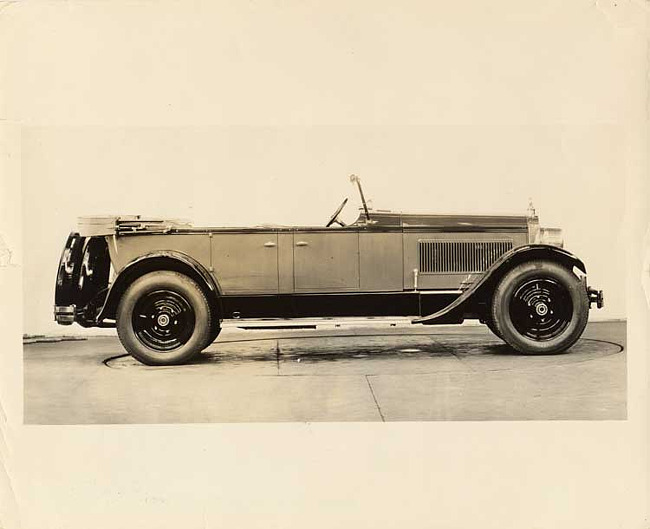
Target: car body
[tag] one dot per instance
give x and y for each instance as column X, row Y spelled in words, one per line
column 167, row 285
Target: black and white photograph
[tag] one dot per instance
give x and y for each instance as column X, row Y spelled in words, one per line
column 389, row 316
column 260, row 258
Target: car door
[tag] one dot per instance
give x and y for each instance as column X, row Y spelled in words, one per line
column 380, row 260
column 326, row 260
column 246, row 262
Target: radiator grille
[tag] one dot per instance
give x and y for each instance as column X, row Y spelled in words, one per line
column 459, row 256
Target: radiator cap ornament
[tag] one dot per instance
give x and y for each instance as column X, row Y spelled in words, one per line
column 531, row 209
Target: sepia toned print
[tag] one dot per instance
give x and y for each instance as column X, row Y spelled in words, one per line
column 252, row 115
column 388, row 316
column 167, row 285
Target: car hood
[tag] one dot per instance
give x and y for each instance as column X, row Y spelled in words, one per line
column 458, row 222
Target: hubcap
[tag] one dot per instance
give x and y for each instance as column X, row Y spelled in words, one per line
column 163, row 320
column 541, row 308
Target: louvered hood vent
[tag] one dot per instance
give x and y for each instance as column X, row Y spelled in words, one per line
column 448, row 256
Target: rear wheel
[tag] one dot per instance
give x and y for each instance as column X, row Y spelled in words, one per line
column 540, row 307
column 164, row 318
column 214, row 332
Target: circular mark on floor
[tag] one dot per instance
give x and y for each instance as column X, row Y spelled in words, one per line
column 422, row 352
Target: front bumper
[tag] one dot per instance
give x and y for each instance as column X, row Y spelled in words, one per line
column 596, row 296
column 64, row 314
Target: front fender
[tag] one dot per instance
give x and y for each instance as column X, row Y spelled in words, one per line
column 485, row 285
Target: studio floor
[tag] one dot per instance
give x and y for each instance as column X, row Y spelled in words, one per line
column 377, row 371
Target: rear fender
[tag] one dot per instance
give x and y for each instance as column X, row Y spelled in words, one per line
column 481, row 290
column 160, row 260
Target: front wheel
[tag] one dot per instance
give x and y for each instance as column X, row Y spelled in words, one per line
column 163, row 319
column 540, row 307
column 490, row 324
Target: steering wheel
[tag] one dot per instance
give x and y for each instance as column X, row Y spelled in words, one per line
column 334, row 218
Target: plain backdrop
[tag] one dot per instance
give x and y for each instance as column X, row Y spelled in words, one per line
column 250, row 112
column 248, row 175
column 258, row 112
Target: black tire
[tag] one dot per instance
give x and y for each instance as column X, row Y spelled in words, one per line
column 540, row 307
column 214, row 332
column 94, row 270
column 490, row 324
column 67, row 277
column 164, row 318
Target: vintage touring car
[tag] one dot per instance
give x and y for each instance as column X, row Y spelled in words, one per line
column 167, row 285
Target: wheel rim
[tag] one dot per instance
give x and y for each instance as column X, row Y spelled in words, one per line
column 163, row 320
column 541, row 309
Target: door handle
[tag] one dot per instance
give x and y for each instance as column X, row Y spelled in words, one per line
column 270, row 245
column 302, row 243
